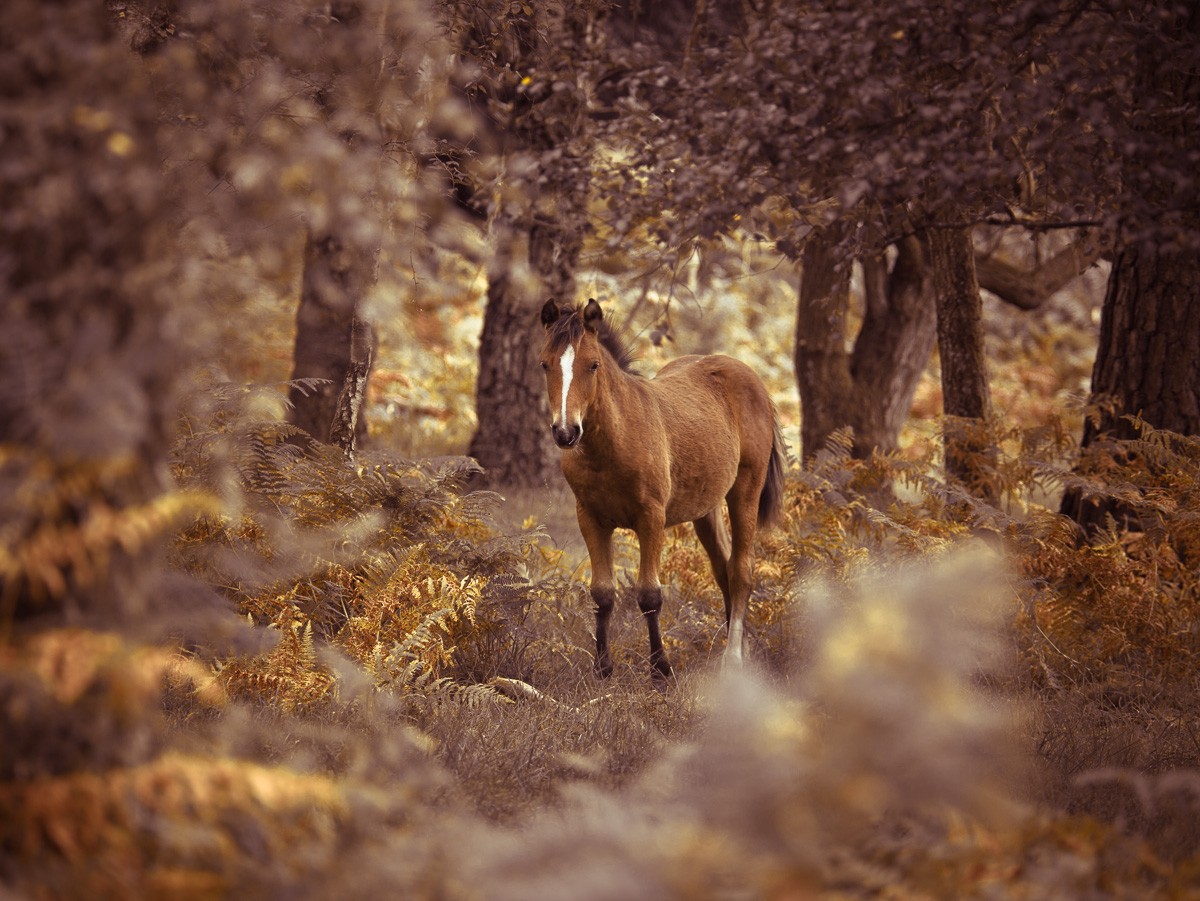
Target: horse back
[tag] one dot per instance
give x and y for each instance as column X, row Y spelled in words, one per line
column 723, row 391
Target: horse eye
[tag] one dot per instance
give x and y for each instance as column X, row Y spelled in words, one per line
column 595, row 366
column 545, row 366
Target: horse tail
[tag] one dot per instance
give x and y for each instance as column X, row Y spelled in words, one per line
column 770, row 502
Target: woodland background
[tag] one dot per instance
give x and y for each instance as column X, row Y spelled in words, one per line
column 291, row 600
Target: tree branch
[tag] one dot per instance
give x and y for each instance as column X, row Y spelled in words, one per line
column 1029, row 289
column 1008, row 220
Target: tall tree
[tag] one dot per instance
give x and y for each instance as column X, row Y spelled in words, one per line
column 339, row 256
column 870, row 387
column 325, row 128
column 1148, row 359
column 332, row 287
column 966, row 397
column 529, row 89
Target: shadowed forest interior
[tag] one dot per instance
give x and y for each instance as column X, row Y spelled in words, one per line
column 293, row 597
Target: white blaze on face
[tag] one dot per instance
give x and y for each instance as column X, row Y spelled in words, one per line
column 568, row 369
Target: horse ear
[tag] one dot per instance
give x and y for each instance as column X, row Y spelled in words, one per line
column 549, row 313
column 592, row 314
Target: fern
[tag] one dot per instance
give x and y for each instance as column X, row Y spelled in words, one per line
column 61, row 527
column 411, row 666
column 384, row 559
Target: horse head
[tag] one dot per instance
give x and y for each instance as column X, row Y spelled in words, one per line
column 573, row 357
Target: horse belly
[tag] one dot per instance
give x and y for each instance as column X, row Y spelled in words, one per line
column 692, row 510
column 704, row 466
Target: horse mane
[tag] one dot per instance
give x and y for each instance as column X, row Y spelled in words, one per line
column 569, row 328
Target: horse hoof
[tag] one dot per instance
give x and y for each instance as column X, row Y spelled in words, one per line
column 604, row 669
column 661, row 673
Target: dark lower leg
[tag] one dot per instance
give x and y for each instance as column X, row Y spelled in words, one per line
column 650, row 603
column 605, row 599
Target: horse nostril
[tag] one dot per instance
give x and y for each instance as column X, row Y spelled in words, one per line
column 566, row 436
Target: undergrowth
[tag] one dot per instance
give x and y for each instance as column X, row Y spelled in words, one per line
column 947, row 698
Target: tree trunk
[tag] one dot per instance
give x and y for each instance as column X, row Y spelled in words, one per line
column 870, row 389
column 512, row 442
column 822, row 363
column 335, row 279
column 347, row 413
column 543, row 126
column 966, row 400
column 893, row 346
column 1148, row 357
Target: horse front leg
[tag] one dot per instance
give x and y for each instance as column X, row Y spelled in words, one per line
column 650, row 532
column 598, row 539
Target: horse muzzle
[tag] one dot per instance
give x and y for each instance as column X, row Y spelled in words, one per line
column 567, row 436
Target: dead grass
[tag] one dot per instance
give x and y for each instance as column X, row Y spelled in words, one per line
column 512, row 759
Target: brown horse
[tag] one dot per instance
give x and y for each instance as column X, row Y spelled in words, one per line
column 644, row 454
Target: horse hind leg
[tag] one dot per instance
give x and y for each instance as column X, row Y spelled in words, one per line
column 743, row 520
column 714, row 538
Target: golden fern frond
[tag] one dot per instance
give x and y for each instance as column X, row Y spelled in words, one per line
column 57, row 553
column 840, row 443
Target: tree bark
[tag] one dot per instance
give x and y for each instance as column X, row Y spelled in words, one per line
column 871, row 388
column 894, row 345
column 335, row 279
column 347, row 413
column 1148, row 356
column 966, row 399
column 512, row 442
column 1147, row 360
column 822, row 363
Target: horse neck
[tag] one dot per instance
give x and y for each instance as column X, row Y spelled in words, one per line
column 616, row 406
